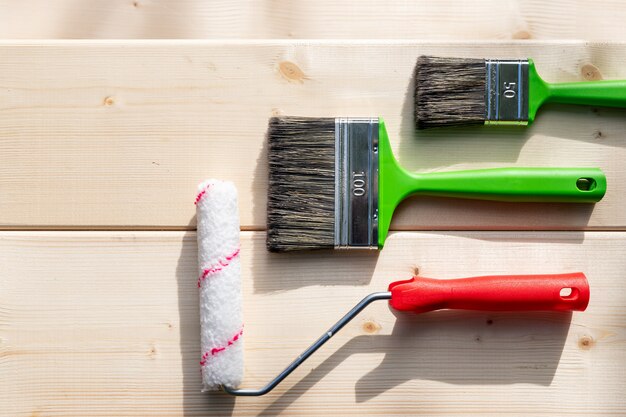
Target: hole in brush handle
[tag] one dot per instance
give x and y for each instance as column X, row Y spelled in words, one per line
column 586, row 184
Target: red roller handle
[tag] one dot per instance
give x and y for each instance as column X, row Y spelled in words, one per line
column 562, row 292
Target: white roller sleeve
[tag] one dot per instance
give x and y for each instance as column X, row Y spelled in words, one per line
column 219, row 283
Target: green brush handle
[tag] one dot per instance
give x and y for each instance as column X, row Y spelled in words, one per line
column 558, row 185
column 551, row 185
column 594, row 93
column 610, row 93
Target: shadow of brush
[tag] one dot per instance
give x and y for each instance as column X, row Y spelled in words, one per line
column 274, row 272
column 597, row 126
column 444, row 213
column 455, row 347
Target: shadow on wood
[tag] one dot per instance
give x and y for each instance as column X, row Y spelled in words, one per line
column 521, row 237
column 441, row 213
column 259, row 187
column 492, row 348
column 489, row 348
column 602, row 126
column 287, row 271
column 194, row 402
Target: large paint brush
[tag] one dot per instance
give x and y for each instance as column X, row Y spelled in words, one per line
column 334, row 183
column 461, row 91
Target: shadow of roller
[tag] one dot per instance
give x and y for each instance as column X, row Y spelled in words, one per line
column 455, row 347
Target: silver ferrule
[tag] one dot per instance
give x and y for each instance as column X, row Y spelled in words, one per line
column 506, row 92
column 356, row 183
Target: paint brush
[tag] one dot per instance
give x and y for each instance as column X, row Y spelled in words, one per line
column 335, row 183
column 461, row 91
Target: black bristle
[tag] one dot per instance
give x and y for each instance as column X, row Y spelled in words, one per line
column 301, row 195
column 449, row 92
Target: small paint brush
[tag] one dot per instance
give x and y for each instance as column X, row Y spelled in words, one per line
column 334, row 183
column 461, row 91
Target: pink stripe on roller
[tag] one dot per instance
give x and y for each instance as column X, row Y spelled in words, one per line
column 202, row 193
column 219, row 349
column 213, row 269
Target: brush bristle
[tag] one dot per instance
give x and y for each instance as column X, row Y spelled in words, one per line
column 301, row 195
column 449, row 92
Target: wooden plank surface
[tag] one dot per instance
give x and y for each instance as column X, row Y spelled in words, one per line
column 117, row 134
column 368, row 19
column 106, row 324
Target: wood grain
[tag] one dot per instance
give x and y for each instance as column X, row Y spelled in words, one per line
column 368, row 19
column 117, row 134
column 106, row 324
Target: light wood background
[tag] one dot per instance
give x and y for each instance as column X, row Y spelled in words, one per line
column 321, row 19
column 106, row 324
column 102, row 144
column 117, row 133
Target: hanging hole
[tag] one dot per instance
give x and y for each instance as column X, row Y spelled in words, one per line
column 568, row 293
column 585, row 184
column 565, row 292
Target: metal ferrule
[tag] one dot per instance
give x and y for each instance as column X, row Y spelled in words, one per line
column 356, row 183
column 506, row 92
